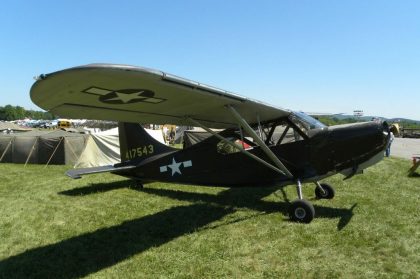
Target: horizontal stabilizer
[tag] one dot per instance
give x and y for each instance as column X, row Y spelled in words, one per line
column 77, row 173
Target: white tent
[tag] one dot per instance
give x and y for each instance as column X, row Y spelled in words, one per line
column 157, row 135
column 103, row 148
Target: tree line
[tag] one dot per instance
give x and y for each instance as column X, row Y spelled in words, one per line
column 331, row 121
column 10, row 113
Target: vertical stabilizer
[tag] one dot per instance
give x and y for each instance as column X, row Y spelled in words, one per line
column 136, row 143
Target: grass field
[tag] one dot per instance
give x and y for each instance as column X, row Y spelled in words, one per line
column 101, row 226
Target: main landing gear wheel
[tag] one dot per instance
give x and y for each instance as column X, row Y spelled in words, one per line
column 301, row 211
column 327, row 191
column 138, row 184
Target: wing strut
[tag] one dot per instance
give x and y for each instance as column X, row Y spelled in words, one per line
column 259, row 141
column 196, row 123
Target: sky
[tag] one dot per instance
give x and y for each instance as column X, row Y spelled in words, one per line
column 312, row 56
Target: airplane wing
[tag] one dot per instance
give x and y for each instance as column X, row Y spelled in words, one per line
column 133, row 94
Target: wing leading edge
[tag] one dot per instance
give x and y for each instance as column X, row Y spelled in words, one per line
column 134, row 94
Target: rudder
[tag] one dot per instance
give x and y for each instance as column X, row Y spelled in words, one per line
column 136, row 143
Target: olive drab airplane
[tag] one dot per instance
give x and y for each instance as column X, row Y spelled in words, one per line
column 261, row 145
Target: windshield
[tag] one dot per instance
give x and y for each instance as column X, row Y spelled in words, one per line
column 308, row 122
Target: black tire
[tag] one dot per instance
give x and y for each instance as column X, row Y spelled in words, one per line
column 301, row 211
column 328, row 193
column 139, row 184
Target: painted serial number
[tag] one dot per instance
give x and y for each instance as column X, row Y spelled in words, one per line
column 139, row 151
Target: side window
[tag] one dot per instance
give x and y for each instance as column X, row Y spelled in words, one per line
column 285, row 134
column 299, row 123
column 225, row 148
column 291, row 136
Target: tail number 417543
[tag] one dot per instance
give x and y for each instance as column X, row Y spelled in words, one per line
column 139, row 151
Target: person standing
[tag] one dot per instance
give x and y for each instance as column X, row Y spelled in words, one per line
column 388, row 148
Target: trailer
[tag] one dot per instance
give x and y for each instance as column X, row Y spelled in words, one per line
column 410, row 133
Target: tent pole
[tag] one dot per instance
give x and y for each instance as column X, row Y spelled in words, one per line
column 7, row 148
column 55, row 149
column 30, row 153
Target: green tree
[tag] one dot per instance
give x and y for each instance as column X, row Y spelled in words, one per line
column 10, row 113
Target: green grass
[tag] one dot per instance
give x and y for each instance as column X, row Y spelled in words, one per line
column 102, row 227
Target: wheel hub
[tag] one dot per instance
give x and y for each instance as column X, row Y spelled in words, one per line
column 300, row 213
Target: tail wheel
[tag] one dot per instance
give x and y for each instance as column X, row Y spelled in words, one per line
column 328, row 192
column 301, row 211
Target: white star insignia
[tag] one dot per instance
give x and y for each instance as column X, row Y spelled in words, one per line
column 175, row 166
column 125, row 98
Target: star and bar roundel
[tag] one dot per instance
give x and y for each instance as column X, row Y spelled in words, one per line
column 175, row 166
column 124, row 96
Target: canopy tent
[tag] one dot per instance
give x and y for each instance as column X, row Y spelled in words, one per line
column 101, row 149
column 60, row 147
column 157, row 135
column 192, row 137
column 41, row 147
column 179, row 134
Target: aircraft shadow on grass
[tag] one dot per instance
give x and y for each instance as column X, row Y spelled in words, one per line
column 91, row 252
column 96, row 188
column 251, row 198
column 248, row 197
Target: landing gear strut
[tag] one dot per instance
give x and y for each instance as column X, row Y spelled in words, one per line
column 301, row 210
column 324, row 191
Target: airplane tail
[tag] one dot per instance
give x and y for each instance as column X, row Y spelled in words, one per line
column 136, row 143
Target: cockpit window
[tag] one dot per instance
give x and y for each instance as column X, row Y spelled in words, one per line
column 224, row 148
column 285, row 133
column 305, row 122
column 285, row 130
column 281, row 132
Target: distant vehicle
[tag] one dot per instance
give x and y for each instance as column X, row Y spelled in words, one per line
column 286, row 148
column 53, row 124
column 64, row 123
column 410, row 132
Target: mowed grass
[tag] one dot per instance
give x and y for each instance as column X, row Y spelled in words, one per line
column 102, row 226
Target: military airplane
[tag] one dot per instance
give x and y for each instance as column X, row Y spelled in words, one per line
column 260, row 144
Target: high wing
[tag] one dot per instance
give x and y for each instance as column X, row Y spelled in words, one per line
column 133, row 94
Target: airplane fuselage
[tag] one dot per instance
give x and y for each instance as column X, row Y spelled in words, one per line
column 326, row 151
